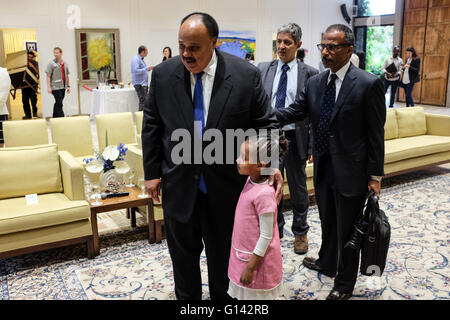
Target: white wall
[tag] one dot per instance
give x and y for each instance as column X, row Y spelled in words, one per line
column 155, row 23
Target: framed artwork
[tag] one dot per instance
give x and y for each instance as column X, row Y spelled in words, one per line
column 98, row 52
column 31, row 46
column 238, row 43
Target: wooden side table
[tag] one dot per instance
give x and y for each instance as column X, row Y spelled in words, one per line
column 132, row 201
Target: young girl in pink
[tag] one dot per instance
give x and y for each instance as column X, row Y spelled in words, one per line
column 255, row 266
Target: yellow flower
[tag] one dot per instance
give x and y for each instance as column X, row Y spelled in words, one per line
column 99, row 53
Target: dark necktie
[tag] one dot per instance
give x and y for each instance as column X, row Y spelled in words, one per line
column 199, row 117
column 322, row 136
column 282, row 88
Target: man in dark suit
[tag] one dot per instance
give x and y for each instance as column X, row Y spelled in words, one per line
column 283, row 80
column 217, row 91
column 346, row 106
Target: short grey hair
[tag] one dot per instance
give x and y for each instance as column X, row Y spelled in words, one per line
column 348, row 32
column 292, row 28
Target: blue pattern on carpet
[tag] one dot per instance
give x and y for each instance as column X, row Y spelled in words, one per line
column 417, row 204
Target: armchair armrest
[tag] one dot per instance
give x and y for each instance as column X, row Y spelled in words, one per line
column 438, row 125
column 134, row 160
column 72, row 176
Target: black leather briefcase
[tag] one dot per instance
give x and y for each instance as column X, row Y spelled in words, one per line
column 375, row 246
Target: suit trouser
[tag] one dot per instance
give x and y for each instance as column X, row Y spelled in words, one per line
column 58, row 111
column 394, row 87
column 296, row 177
column 185, row 242
column 338, row 215
column 28, row 94
column 142, row 94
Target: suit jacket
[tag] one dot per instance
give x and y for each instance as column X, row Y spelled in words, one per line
column 238, row 101
column 302, row 128
column 356, row 127
column 414, row 70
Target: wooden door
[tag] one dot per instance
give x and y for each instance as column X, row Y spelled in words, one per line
column 414, row 27
column 436, row 57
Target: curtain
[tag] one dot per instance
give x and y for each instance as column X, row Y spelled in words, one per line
column 14, row 39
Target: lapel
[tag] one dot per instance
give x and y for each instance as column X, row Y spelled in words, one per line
column 184, row 94
column 346, row 87
column 301, row 76
column 323, row 82
column 270, row 77
column 221, row 90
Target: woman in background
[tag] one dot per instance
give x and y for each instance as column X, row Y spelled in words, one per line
column 410, row 74
column 167, row 52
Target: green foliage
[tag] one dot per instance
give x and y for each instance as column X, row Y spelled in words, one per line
column 380, row 41
column 364, row 8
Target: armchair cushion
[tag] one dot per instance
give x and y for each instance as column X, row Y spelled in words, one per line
column 28, row 170
column 438, row 125
column 391, row 126
column 120, row 128
column 139, row 116
column 413, row 147
column 52, row 209
column 72, row 176
column 411, row 122
column 72, row 134
column 25, row 133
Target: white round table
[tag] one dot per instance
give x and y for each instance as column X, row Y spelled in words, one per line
column 113, row 101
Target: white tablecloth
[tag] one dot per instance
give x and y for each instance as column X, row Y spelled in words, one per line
column 114, row 100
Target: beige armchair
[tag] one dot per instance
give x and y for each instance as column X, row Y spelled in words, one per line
column 74, row 135
column 61, row 217
column 134, row 160
column 25, row 133
column 120, row 128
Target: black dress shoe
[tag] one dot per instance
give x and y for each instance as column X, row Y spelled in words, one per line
column 311, row 264
column 337, row 295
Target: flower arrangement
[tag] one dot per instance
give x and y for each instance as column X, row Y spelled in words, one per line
column 112, row 157
column 100, row 55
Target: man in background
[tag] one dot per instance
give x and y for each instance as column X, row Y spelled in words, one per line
column 139, row 75
column 283, row 80
column 392, row 76
column 347, row 109
column 29, row 94
column 58, row 81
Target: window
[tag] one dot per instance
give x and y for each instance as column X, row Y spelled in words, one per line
column 367, row 8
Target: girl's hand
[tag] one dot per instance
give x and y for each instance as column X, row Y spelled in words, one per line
column 247, row 276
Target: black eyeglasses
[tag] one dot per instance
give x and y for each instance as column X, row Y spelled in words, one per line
column 332, row 47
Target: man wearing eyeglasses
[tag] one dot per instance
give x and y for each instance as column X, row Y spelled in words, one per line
column 346, row 106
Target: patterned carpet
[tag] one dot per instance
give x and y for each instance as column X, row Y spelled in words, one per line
column 418, row 206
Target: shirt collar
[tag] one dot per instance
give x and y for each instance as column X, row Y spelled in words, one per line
column 291, row 64
column 212, row 66
column 341, row 72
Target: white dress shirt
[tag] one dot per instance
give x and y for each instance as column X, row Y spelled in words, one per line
column 397, row 62
column 207, row 82
column 340, row 77
column 291, row 91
